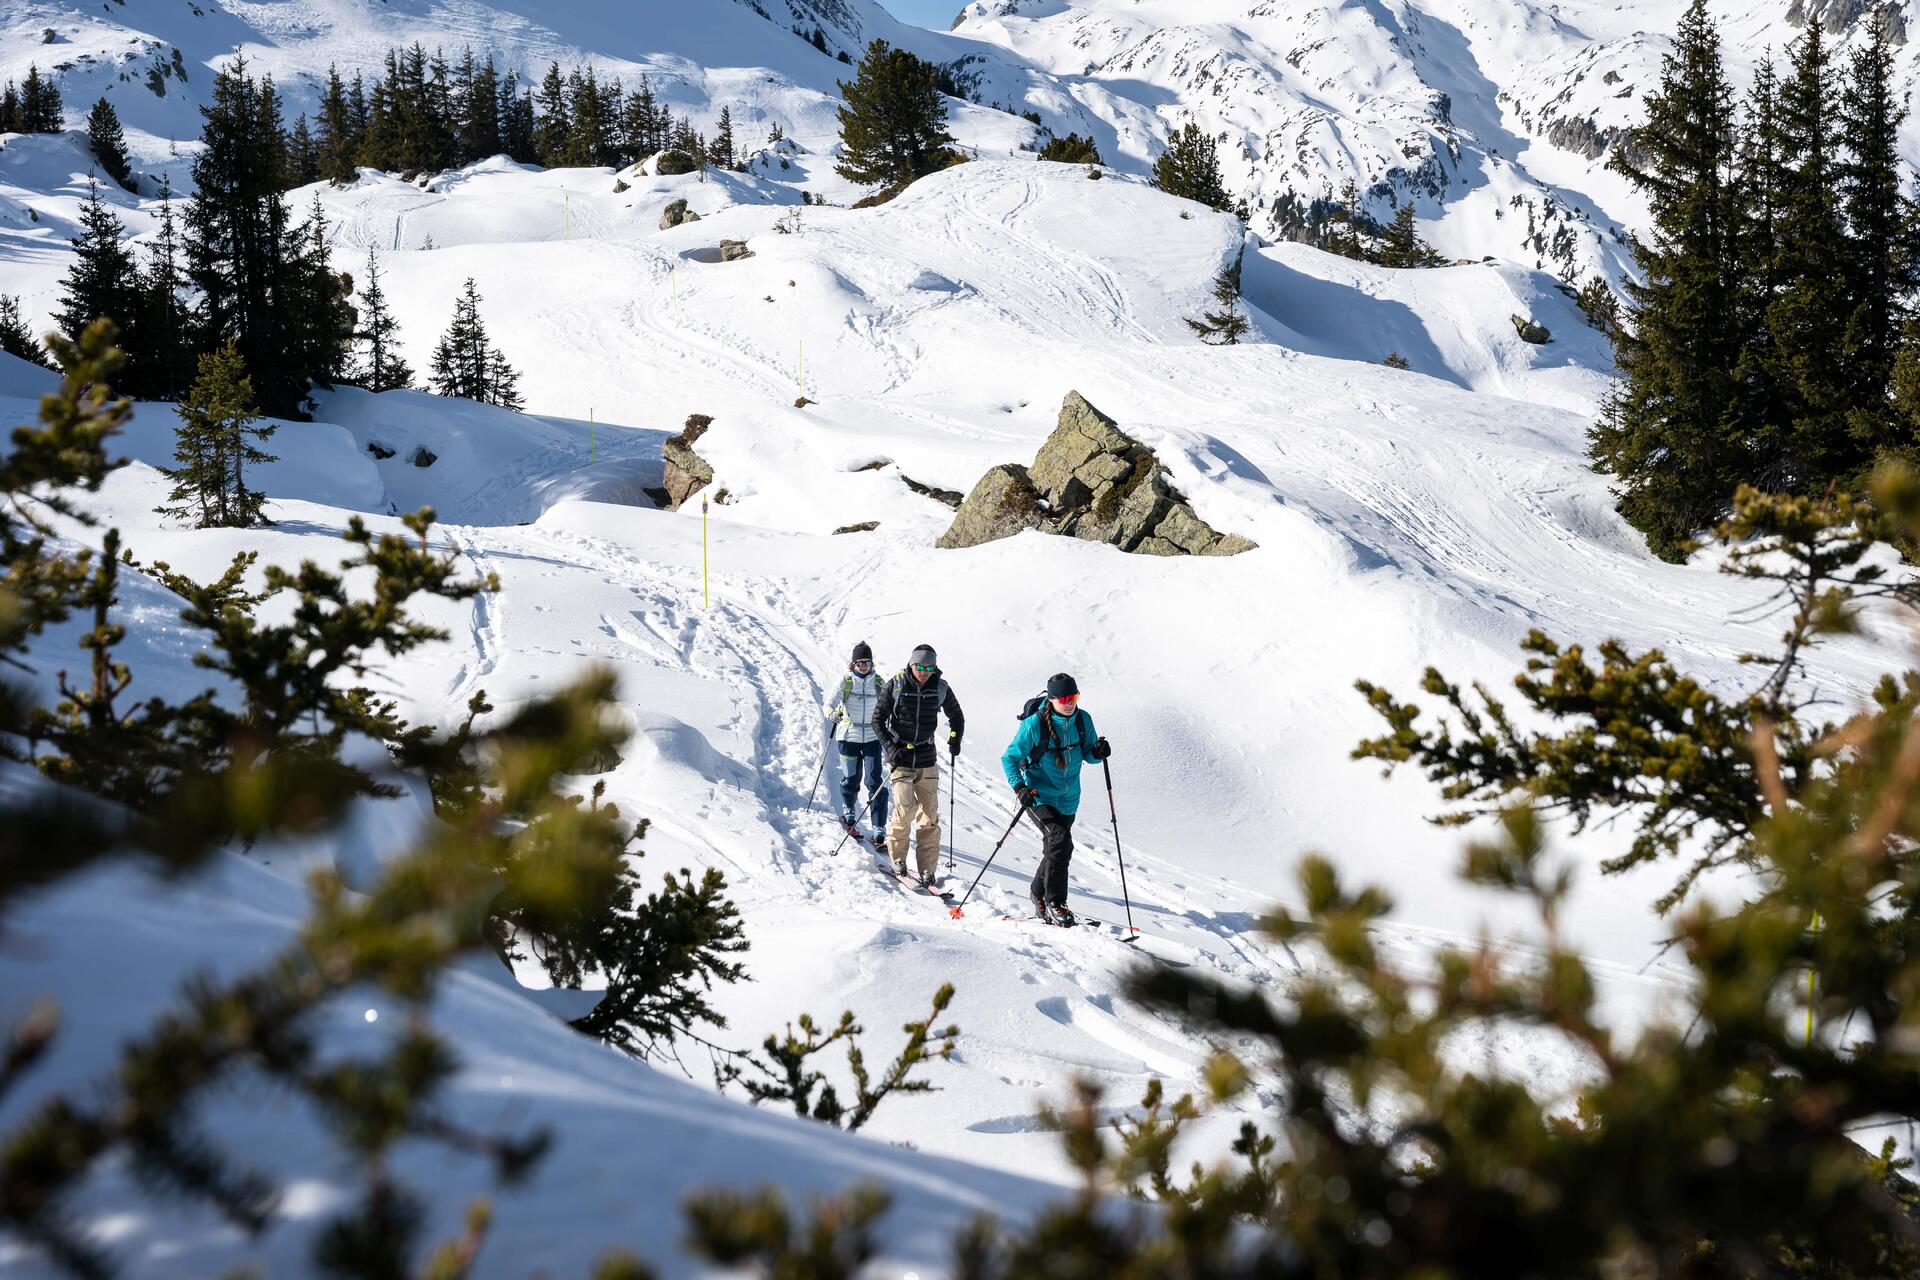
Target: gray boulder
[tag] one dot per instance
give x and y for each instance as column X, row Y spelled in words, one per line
column 672, row 163
column 1093, row 481
column 1002, row 503
column 675, row 214
column 734, row 250
column 686, row 472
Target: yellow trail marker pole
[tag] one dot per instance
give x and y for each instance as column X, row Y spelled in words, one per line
column 1810, row 989
column 566, row 211
column 706, row 600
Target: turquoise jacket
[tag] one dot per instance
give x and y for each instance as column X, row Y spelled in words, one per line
column 1056, row 775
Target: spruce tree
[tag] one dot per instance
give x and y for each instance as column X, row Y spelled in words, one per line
column 1190, row 168
column 213, row 447
column 466, row 364
column 1806, row 322
column 720, row 151
column 160, row 351
column 481, row 126
column 1756, row 429
column 1227, row 323
column 1662, row 435
column 1882, row 246
column 339, row 138
column 17, row 337
column 40, row 108
column 643, row 123
column 1400, row 243
column 10, row 118
column 893, row 126
column 263, row 284
column 303, row 155
column 553, row 131
column 380, row 367
column 109, row 143
column 101, row 281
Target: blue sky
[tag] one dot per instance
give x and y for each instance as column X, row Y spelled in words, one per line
column 927, row 13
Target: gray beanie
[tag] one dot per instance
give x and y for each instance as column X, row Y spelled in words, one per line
column 923, row 653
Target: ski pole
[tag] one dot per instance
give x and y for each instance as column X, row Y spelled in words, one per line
column 953, row 794
column 1120, row 857
column 815, row 793
column 954, row 910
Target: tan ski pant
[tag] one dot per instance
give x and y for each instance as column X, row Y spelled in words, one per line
column 916, row 801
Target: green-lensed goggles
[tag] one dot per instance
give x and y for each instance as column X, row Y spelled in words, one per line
column 921, row 666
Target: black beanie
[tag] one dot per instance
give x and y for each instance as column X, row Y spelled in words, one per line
column 861, row 651
column 1061, row 686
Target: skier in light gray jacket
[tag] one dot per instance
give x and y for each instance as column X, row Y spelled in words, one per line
column 850, row 719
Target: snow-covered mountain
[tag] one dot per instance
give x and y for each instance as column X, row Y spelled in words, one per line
column 1404, row 517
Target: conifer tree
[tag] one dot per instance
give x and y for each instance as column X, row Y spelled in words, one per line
column 466, row 364
column 1400, row 243
column 481, row 133
column 102, row 278
column 893, row 125
column 643, row 125
column 1807, row 319
column 1662, row 435
column 553, row 132
column 109, row 143
column 262, row 283
column 1883, row 242
column 40, row 108
column 1756, row 430
column 380, row 367
column 1072, row 149
column 303, row 155
column 1227, row 323
column 1190, row 168
column 518, row 129
column 10, row 121
column 16, row 336
column 339, row 135
column 720, row 151
column 213, row 447
column 160, row 352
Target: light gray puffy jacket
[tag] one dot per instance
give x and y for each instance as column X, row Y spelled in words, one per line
column 851, row 709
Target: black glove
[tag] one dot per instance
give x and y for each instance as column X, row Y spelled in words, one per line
column 1100, row 749
column 1027, row 796
column 953, row 746
column 899, row 755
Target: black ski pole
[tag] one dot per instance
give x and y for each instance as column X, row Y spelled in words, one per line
column 1121, row 857
column 953, row 794
column 954, row 910
column 822, row 772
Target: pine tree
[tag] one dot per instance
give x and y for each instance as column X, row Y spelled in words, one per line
column 643, row 123
column 481, row 126
column 893, row 126
column 213, row 446
column 160, row 352
column 339, row 137
column 720, row 152
column 16, row 337
column 101, row 280
column 40, row 108
column 109, row 143
column 1806, row 321
column 1227, row 324
column 1339, row 230
column 1753, row 422
column 1190, row 168
column 1882, row 244
column 1662, row 434
column 553, row 133
column 1400, row 244
column 466, row 364
column 518, row 129
column 10, row 117
column 380, row 367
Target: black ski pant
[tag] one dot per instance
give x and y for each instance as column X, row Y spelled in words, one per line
column 1056, row 851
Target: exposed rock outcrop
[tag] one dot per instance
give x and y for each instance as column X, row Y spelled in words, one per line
column 1090, row 480
column 672, row 163
column 734, row 250
column 687, row 473
column 676, row 213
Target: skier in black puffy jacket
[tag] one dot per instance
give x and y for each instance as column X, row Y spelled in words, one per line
column 907, row 718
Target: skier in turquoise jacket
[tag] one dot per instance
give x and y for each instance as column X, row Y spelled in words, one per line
column 1042, row 763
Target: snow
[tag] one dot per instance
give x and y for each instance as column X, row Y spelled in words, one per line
column 1433, row 515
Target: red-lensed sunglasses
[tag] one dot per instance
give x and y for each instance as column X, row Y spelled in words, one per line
column 1070, row 697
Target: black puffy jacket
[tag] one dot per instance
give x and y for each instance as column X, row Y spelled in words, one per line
column 907, row 717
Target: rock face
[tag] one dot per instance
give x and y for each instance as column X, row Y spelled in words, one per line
column 675, row 214
column 672, row 163
column 734, row 250
column 687, row 473
column 1090, row 480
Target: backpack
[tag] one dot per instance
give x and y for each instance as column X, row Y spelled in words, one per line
column 1032, row 707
